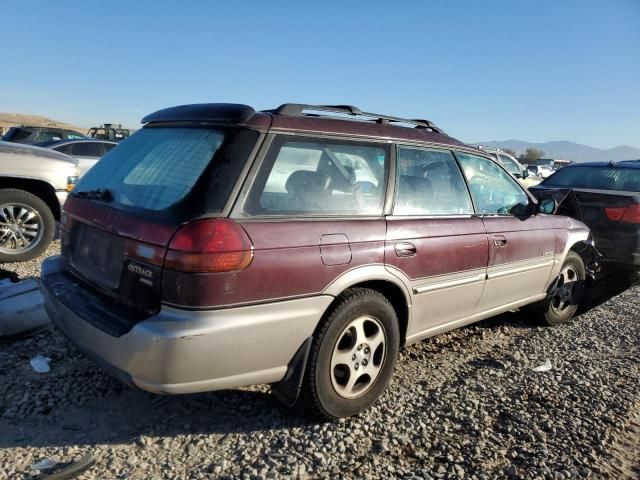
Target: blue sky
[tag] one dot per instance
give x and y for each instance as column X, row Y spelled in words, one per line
column 483, row 70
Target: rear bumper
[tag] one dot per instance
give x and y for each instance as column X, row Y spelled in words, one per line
column 180, row 351
column 619, row 247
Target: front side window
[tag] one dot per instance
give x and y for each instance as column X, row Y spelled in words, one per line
column 493, row 190
column 307, row 176
column 429, row 182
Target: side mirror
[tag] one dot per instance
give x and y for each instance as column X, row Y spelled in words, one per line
column 525, row 173
column 548, row 206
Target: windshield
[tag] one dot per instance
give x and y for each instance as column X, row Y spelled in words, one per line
column 599, row 178
column 509, row 165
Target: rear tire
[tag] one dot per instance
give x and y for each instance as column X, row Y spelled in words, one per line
column 352, row 356
column 565, row 293
column 27, row 226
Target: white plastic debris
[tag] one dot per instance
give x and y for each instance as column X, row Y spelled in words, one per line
column 40, row 364
column 545, row 367
column 44, row 464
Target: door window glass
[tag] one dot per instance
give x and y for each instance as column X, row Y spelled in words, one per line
column 429, row 182
column 320, row 177
column 86, row 149
column 493, row 190
column 64, row 149
column 45, row 136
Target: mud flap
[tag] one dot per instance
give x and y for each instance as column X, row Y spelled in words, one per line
column 288, row 389
column 21, row 308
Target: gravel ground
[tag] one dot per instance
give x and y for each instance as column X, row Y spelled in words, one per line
column 465, row 404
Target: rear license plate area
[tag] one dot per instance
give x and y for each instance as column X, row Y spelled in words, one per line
column 97, row 254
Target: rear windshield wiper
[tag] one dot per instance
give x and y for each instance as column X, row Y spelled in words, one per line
column 101, row 194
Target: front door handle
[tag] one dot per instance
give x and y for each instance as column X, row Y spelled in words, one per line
column 499, row 241
column 405, row 249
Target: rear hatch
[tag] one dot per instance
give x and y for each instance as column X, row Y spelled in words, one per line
column 122, row 215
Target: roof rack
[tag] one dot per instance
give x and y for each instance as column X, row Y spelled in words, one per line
column 295, row 109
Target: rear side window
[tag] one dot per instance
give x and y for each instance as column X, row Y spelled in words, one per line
column 45, row 136
column 155, row 168
column 600, row 178
column 305, row 176
column 429, row 182
column 86, row 149
column 64, row 149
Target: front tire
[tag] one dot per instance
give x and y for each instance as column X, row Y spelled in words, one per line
column 27, row 226
column 565, row 293
column 352, row 355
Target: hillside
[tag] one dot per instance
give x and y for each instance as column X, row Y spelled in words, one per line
column 12, row 119
column 569, row 150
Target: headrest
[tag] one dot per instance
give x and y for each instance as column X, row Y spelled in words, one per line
column 304, row 181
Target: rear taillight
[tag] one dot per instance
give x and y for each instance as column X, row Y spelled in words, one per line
column 214, row 245
column 630, row 214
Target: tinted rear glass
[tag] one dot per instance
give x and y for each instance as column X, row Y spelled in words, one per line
column 15, row 134
column 599, row 178
column 155, row 168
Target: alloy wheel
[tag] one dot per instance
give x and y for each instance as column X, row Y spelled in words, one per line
column 21, row 228
column 563, row 291
column 358, row 357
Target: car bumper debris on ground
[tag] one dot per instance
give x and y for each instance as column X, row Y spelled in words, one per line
column 465, row 404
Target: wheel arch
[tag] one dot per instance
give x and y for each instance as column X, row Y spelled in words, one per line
column 379, row 279
column 40, row 188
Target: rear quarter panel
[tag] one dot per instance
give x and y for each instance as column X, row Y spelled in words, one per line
column 288, row 263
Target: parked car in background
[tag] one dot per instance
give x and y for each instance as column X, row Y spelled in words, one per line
column 109, row 131
column 220, row 247
column 512, row 166
column 33, row 187
column 608, row 194
column 32, row 135
column 87, row 151
column 542, row 171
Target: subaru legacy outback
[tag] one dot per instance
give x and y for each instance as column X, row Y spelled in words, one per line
column 220, row 247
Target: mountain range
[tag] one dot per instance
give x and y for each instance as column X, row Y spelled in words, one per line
column 11, row 119
column 565, row 150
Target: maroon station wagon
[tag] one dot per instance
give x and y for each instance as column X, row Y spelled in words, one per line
column 220, row 247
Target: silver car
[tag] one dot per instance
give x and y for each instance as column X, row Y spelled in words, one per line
column 86, row 152
column 33, row 187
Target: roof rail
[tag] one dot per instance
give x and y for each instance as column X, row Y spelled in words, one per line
column 295, row 109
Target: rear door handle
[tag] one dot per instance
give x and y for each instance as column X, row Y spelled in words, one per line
column 405, row 249
column 499, row 241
